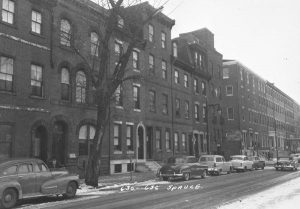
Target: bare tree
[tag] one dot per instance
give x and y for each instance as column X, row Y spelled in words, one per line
column 127, row 15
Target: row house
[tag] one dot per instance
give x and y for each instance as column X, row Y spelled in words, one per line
column 257, row 111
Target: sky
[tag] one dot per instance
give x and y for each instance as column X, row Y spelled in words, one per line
column 264, row 35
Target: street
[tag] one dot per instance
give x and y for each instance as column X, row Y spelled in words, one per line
column 196, row 193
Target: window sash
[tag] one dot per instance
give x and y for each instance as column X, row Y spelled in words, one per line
column 8, row 11
column 36, row 22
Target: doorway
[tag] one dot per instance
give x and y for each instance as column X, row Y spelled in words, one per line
column 39, row 144
column 59, row 143
column 140, row 142
column 149, row 143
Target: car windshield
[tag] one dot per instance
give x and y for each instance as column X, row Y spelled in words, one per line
column 236, row 158
column 205, row 159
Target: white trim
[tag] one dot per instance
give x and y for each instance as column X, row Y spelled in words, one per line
column 119, row 41
column 137, row 50
column 137, row 110
column 129, row 123
column 119, row 107
column 136, row 84
column 24, row 41
column 118, row 122
column 30, row 109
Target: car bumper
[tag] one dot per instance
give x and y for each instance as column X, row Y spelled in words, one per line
column 238, row 167
column 170, row 175
column 289, row 167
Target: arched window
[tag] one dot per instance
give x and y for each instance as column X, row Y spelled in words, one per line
column 80, row 87
column 94, row 43
column 65, row 84
column 86, row 135
column 65, row 32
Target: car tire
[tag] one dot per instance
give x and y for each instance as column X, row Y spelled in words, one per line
column 245, row 169
column 230, row 170
column 186, row 176
column 70, row 190
column 262, row 168
column 9, row 198
column 204, row 174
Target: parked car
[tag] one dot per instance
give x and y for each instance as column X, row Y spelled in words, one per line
column 182, row 167
column 294, row 156
column 284, row 163
column 216, row 164
column 23, row 178
column 257, row 162
column 241, row 163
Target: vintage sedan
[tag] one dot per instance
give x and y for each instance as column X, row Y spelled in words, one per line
column 241, row 163
column 287, row 164
column 182, row 167
column 257, row 162
column 24, row 178
column 216, row 164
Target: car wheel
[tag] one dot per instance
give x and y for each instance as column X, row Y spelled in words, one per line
column 71, row 190
column 204, row 174
column 186, row 176
column 9, row 198
column 245, row 169
column 230, row 170
column 262, row 168
column 277, row 169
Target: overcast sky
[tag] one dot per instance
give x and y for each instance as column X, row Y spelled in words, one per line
column 264, row 35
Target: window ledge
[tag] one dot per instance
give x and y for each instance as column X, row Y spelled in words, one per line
column 137, row 70
column 8, row 92
column 130, row 152
column 118, row 152
column 37, row 97
column 137, row 110
column 119, row 107
column 37, row 34
column 8, row 24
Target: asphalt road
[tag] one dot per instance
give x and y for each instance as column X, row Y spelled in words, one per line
column 196, row 193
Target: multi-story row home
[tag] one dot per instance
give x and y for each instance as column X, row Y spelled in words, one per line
column 47, row 105
column 257, row 112
column 196, row 48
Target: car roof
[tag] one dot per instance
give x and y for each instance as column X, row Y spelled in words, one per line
column 211, row 156
column 5, row 162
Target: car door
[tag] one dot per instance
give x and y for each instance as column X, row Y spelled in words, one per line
column 27, row 178
column 42, row 175
column 248, row 163
column 225, row 166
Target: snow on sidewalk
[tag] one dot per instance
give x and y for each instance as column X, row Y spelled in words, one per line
column 281, row 196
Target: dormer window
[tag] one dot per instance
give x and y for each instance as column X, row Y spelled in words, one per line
column 120, row 22
column 175, row 51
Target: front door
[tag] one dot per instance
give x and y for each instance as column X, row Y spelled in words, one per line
column 59, row 143
column 140, row 143
column 149, row 142
column 197, row 146
column 27, row 178
column 39, row 143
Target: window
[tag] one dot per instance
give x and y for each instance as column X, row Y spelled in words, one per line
column 94, row 44
column 196, row 60
column 119, row 96
column 151, row 33
column 152, row 98
column 229, row 91
column 8, row 11
column 196, row 111
column 10, row 171
column 185, row 80
column 175, row 50
column 230, row 114
column 36, row 80
column 85, row 139
column 80, row 87
column 120, row 22
column 165, row 104
column 183, row 141
column 158, row 138
column 186, row 109
column 117, row 137
column 151, row 64
column 129, row 137
column 23, row 169
column 225, row 73
column 203, row 87
column 176, row 76
column 196, row 86
column 136, row 97
column 118, row 50
column 204, row 112
column 6, row 133
column 247, row 78
column 6, row 74
column 177, row 107
column 176, row 141
column 65, row 32
column 135, row 60
column 164, row 69
column 163, row 40
column 65, row 84
column 168, row 140
column 241, row 74
column 36, row 22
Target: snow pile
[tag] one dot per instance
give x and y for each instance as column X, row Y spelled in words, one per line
column 282, row 196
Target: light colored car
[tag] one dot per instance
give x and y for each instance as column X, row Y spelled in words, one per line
column 24, row 178
column 241, row 163
column 216, row 164
column 285, row 163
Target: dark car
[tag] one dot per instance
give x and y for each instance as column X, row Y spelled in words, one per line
column 182, row 167
column 287, row 164
column 257, row 162
column 24, row 178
